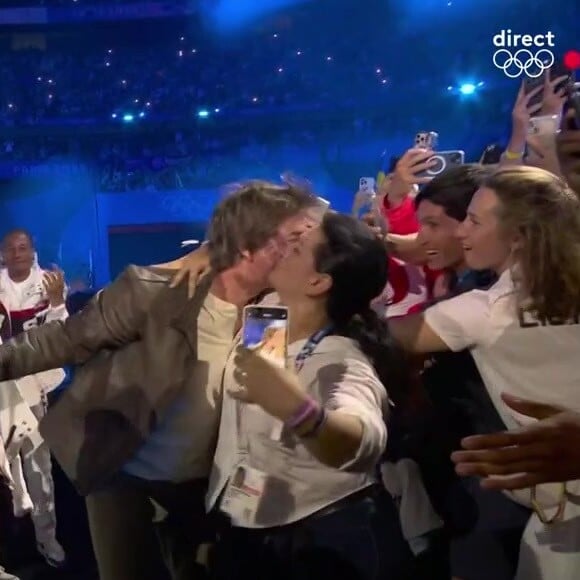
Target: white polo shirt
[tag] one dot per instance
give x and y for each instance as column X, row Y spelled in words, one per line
column 514, row 353
column 341, row 376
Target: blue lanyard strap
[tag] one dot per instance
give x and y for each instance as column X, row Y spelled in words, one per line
column 462, row 278
column 310, row 346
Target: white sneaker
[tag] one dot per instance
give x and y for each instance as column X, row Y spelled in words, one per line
column 6, row 576
column 52, row 552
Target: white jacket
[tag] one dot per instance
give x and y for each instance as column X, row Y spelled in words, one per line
column 32, row 309
column 17, row 422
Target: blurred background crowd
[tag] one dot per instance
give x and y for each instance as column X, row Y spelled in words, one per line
column 121, row 120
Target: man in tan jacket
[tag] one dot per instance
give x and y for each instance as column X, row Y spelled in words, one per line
column 140, row 419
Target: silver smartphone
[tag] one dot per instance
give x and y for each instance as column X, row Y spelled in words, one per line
column 427, row 140
column 265, row 330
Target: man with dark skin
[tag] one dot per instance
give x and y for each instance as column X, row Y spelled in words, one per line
column 30, row 297
column 547, row 450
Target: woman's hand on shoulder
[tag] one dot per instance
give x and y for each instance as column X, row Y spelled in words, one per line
column 190, row 268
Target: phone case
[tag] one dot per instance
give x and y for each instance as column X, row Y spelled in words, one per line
column 544, row 125
column 445, row 160
column 266, row 335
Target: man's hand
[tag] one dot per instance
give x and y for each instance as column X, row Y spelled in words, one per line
column 53, row 282
column 546, row 451
column 371, row 220
column 414, row 161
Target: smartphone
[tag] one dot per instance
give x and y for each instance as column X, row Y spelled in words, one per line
column 544, row 125
column 265, row 330
column 363, row 200
column 556, row 71
column 443, row 160
column 491, row 155
column 574, row 103
column 366, row 184
column 427, row 140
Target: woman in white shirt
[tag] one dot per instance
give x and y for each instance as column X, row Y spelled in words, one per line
column 524, row 332
column 295, row 470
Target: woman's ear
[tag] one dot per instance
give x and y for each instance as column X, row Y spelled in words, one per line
column 319, row 284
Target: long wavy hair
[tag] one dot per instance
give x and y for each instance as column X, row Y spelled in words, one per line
column 545, row 213
column 357, row 262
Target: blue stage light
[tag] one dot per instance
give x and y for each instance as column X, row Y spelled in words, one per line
column 467, row 89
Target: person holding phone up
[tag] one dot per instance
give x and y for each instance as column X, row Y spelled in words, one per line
column 531, row 107
column 309, row 436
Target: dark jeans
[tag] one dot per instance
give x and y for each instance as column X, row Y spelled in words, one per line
column 129, row 546
column 491, row 548
column 358, row 538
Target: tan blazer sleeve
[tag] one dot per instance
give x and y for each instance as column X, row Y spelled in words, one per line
column 114, row 317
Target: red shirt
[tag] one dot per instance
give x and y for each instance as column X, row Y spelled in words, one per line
column 406, row 291
column 402, row 219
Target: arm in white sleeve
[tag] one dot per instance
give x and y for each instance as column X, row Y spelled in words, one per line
column 360, row 394
column 461, row 322
column 354, row 434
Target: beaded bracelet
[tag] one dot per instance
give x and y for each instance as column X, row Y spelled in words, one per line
column 317, row 427
column 303, row 413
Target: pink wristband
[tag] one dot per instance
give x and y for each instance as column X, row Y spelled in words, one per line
column 303, row 413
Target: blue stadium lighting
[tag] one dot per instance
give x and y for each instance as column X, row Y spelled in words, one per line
column 114, row 116
column 203, row 114
column 141, row 114
column 128, row 118
column 467, row 89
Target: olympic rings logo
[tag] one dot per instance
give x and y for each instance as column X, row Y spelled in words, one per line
column 523, row 62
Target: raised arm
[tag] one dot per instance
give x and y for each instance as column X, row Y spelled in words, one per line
column 114, row 317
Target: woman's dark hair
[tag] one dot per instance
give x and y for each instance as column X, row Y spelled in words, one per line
column 357, row 262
